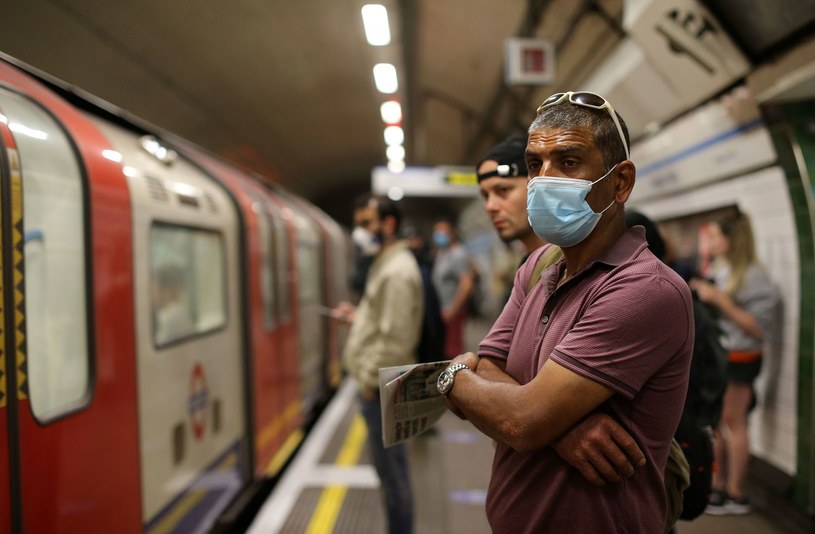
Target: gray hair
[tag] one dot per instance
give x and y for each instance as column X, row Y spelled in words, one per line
column 598, row 121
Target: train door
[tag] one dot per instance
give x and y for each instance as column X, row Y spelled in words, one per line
column 65, row 474
column 309, row 297
column 280, row 432
column 189, row 337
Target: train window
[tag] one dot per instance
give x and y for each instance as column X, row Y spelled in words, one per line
column 187, row 282
column 54, row 265
column 281, row 268
column 267, row 283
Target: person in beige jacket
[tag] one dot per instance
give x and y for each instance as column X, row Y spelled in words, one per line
column 385, row 330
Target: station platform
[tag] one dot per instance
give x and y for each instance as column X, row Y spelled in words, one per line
column 331, row 486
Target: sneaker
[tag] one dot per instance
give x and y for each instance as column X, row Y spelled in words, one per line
column 738, row 506
column 716, row 503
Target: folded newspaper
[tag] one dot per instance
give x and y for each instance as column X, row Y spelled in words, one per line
column 410, row 401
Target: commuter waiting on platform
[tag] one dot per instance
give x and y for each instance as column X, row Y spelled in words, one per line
column 746, row 300
column 384, row 332
column 572, row 345
column 502, row 178
column 454, row 278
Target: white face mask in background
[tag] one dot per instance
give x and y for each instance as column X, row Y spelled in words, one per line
column 368, row 243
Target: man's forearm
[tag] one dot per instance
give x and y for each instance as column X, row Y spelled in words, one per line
column 525, row 417
column 493, row 369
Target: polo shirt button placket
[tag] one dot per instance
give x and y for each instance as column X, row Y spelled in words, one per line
column 543, row 323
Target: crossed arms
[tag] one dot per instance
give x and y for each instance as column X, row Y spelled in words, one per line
column 554, row 409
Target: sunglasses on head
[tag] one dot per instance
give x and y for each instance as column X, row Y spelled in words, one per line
column 587, row 100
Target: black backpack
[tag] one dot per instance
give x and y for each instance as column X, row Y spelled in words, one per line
column 432, row 338
column 702, row 408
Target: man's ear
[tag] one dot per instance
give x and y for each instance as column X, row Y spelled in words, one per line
column 624, row 181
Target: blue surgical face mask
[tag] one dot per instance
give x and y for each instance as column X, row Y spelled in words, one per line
column 558, row 211
column 441, row 239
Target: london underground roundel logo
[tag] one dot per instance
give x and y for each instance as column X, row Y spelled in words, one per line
column 198, row 401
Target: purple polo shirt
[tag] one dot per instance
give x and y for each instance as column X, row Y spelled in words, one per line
column 626, row 322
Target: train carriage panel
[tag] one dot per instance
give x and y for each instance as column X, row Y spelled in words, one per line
column 68, row 355
column 188, row 326
column 309, row 297
column 337, row 274
column 335, row 254
column 282, row 314
column 275, row 391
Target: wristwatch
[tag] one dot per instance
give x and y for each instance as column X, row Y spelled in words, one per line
column 445, row 381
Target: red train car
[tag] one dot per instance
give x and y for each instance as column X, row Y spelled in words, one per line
column 162, row 345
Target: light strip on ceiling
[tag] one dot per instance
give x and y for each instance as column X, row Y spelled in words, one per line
column 391, row 112
column 385, row 78
column 375, row 20
column 394, row 135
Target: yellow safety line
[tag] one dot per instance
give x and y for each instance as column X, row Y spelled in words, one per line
column 328, row 508
column 271, row 430
column 277, row 461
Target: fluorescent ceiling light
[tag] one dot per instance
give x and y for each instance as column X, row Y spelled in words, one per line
column 394, row 135
column 385, row 78
column 391, row 112
column 375, row 20
column 395, row 153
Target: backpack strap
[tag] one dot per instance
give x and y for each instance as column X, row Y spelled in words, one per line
column 552, row 255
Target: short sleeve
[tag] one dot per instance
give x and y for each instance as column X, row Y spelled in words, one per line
column 759, row 297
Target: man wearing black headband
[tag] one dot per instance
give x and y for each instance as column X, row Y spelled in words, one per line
column 502, row 178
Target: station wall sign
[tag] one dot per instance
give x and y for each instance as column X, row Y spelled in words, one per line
column 439, row 181
column 529, row 61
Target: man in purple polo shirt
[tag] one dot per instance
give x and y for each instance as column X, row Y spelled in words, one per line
column 608, row 329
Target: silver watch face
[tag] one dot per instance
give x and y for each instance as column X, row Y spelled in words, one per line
column 445, row 381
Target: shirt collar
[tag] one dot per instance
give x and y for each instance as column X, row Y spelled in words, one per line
column 627, row 246
column 390, row 250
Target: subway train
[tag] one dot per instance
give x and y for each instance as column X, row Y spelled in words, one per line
column 163, row 341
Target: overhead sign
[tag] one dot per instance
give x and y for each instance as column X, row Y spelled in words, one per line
column 686, row 45
column 529, row 61
column 442, row 181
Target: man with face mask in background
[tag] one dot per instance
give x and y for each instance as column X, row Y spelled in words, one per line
column 385, row 330
column 608, row 328
column 454, row 279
